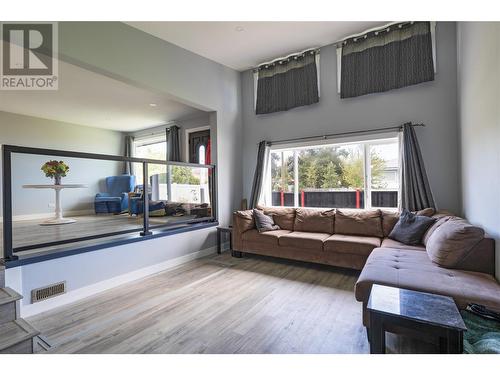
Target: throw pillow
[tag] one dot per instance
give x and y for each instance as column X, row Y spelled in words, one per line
column 410, row 228
column 263, row 222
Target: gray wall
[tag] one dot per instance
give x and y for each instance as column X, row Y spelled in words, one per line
column 127, row 54
column 29, row 131
column 479, row 117
column 433, row 103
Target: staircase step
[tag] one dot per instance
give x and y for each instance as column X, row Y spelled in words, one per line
column 8, row 298
column 8, row 295
column 17, row 337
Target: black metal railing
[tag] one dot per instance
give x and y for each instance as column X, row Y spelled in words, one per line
column 145, row 229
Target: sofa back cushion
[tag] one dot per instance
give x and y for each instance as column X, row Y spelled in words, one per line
column 452, row 241
column 359, row 222
column 425, row 212
column 243, row 221
column 389, row 220
column 283, row 217
column 440, row 220
column 314, row 220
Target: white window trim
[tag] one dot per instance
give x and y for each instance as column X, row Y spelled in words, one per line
column 364, row 140
column 149, row 140
column 339, row 140
column 339, row 50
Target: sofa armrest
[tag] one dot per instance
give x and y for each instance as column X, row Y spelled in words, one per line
column 242, row 222
column 481, row 258
column 102, row 195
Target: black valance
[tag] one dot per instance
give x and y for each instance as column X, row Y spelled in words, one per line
column 398, row 56
column 287, row 83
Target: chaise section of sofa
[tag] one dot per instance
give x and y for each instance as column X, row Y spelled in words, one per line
column 470, row 279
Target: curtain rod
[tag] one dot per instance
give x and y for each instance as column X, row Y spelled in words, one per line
column 315, row 49
column 364, row 34
column 327, row 136
column 155, row 130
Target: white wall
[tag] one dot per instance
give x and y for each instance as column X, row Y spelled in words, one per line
column 479, row 118
column 124, row 53
column 433, row 103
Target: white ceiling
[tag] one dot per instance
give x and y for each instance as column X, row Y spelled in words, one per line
column 91, row 99
column 243, row 45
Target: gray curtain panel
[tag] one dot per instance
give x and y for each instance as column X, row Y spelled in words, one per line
column 129, row 150
column 173, row 144
column 288, row 83
column 416, row 192
column 260, row 170
column 389, row 60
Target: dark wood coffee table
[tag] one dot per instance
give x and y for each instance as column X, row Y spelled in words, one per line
column 392, row 309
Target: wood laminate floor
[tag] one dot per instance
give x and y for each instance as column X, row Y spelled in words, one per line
column 220, row 304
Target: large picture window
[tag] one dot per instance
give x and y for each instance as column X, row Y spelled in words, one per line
column 359, row 174
column 150, row 148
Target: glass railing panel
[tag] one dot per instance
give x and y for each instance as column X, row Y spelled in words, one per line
column 179, row 194
column 90, row 200
column 62, row 200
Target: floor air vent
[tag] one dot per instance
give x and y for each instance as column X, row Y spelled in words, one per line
column 48, row 291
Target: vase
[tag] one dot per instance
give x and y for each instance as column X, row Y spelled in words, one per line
column 57, row 180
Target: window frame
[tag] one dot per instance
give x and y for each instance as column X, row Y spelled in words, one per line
column 147, row 140
column 364, row 140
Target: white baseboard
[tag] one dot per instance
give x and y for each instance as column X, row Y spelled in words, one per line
column 87, row 291
column 48, row 215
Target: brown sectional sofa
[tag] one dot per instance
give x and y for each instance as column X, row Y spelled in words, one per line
column 357, row 239
column 343, row 238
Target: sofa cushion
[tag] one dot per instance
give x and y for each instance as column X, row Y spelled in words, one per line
column 283, row 217
column 388, row 242
column 389, row 220
column 410, row 228
column 269, row 238
column 440, row 220
column 341, row 243
column 425, row 212
column 452, row 241
column 263, row 222
column 243, row 220
column 359, row 222
column 304, row 240
column 414, row 270
column 314, row 220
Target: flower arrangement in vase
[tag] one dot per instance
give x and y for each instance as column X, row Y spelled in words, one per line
column 56, row 170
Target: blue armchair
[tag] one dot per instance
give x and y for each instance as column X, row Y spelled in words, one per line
column 115, row 200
